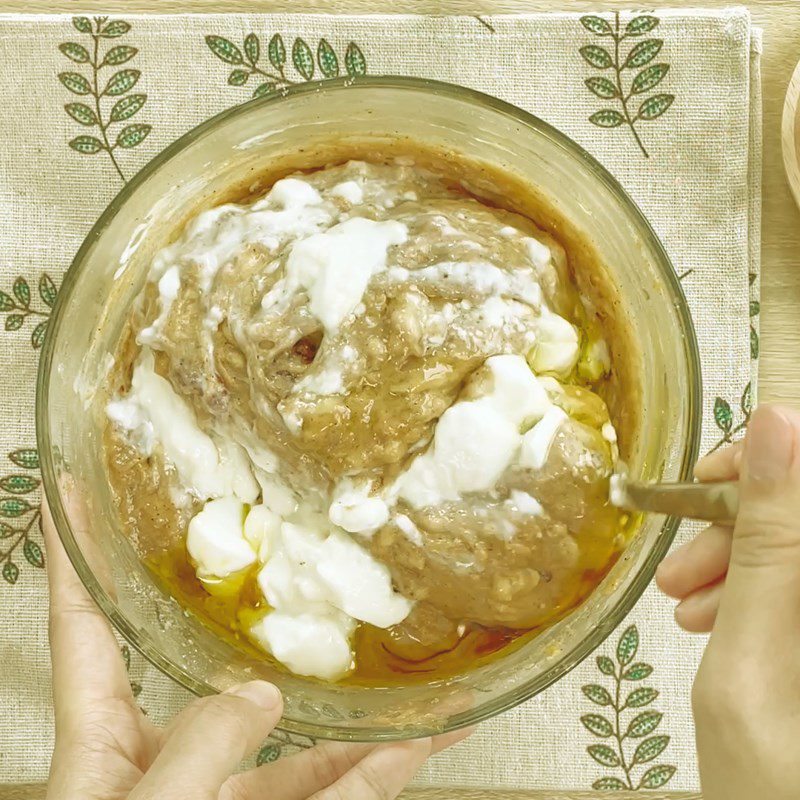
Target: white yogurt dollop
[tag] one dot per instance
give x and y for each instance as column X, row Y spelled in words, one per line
column 216, row 540
column 476, row 440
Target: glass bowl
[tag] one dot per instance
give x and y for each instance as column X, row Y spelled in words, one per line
column 289, row 129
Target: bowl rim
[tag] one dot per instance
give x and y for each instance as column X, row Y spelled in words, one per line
column 641, row 579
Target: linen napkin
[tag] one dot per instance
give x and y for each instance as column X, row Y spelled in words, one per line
column 685, row 142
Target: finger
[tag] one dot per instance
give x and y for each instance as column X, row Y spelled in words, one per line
column 762, row 599
column 298, row 776
column 697, row 563
column 721, row 465
column 87, row 663
column 211, row 736
column 384, row 773
column 698, row 612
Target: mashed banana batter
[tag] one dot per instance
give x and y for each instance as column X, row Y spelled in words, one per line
column 366, row 409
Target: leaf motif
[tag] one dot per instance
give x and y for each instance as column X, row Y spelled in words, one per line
column 6, row 303
column 6, row 531
column 252, row 48
column 628, row 645
column 26, row 457
column 38, row 334
column 643, row 53
column 597, row 694
column 302, row 58
column 117, row 27
column 81, row 113
column 14, row 322
column 354, row 61
column 22, row 291
column 608, row 784
column 607, row 118
column 648, row 78
column 754, row 347
column 126, row 656
column 119, row 55
column 47, row 290
column 747, row 400
column 641, row 697
column 606, row 665
column 127, row 107
column 224, row 49
column 655, row 106
column 121, row 82
column 650, row 748
column 82, row 24
column 75, row 82
column 597, row 725
column 267, row 754
column 262, row 89
column 751, row 278
column 657, row 776
column 33, row 553
column 10, row 572
column 596, row 56
column 276, row 50
column 639, row 25
column 14, row 506
column 238, row 77
column 18, row 484
column 604, row 755
column 602, row 87
column 86, row 144
column 596, row 25
column 723, row 415
column 643, row 723
column 755, row 308
column 637, row 672
column 327, row 60
column 75, row 52
column 132, row 135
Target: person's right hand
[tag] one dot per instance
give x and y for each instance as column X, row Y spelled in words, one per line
column 743, row 584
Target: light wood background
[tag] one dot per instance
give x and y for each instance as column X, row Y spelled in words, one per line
column 780, row 292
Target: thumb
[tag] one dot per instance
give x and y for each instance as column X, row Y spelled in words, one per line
column 763, row 582
column 208, row 740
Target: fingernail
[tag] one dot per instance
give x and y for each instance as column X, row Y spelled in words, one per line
column 259, row 692
column 769, row 445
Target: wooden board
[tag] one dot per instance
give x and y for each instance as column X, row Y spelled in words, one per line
column 780, row 294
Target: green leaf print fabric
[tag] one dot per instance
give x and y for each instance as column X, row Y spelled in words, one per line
column 668, row 101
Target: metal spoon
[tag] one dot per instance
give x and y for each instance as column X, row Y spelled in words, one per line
column 712, row 502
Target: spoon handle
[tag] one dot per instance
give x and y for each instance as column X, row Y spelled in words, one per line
column 712, row 502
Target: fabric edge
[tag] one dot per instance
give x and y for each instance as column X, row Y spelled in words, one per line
column 755, row 177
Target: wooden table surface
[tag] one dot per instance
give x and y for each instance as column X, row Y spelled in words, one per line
column 780, row 292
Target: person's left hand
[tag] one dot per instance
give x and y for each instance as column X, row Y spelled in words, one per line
column 106, row 749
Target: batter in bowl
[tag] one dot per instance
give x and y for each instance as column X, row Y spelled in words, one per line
column 358, row 422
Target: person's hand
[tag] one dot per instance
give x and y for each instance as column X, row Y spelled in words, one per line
column 743, row 584
column 106, row 749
